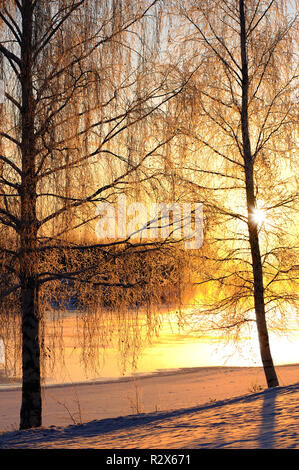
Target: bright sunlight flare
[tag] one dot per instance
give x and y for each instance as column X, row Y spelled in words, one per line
column 259, row 216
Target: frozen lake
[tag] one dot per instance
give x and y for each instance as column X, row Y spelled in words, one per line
column 107, row 351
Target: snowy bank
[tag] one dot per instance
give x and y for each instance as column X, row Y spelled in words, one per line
column 268, row 419
column 206, row 411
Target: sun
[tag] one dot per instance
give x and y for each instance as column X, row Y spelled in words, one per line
column 259, row 216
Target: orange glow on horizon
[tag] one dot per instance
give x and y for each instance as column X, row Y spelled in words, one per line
column 173, row 348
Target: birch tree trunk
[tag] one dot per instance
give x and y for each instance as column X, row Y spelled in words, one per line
column 257, row 268
column 30, row 415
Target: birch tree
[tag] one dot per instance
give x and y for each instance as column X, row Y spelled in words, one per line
column 239, row 158
column 79, row 81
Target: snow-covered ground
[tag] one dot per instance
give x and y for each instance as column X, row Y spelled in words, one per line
column 185, row 409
